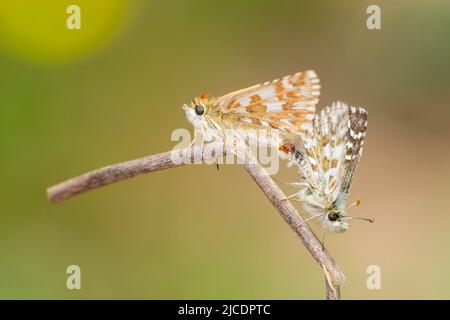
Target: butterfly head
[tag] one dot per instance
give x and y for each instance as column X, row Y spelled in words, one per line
column 332, row 214
column 335, row 217
column 335, row 220
column 198, row 109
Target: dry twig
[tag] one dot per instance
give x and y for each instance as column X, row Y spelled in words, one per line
column 121, row 171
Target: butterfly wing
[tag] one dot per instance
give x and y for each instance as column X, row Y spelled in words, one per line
column 357, row 126
column 286, row 104
column 325, row 148
column 332, row 148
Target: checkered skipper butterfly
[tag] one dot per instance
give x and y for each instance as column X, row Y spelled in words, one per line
column 284, row 105
column 327, row 160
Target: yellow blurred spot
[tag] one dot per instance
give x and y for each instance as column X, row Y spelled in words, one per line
column 38, row 30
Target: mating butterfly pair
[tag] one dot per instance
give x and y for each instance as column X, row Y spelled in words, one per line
column 331, row 141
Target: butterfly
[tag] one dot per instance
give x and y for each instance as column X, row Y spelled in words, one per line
column 327, row 160
column 285, row 105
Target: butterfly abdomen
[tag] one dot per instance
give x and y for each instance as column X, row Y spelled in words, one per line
column 292, row 152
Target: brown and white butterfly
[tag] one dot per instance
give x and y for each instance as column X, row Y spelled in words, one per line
column 327, row 160
column 284, row 105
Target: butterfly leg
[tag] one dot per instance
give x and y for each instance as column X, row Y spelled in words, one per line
column 291, row 197
column 215, row 125
column 203, row 141
column 323, row 240
column 193, row 140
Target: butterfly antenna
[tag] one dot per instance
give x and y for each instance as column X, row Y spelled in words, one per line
column 371, row 220
column 355, row 204
column 313, row 217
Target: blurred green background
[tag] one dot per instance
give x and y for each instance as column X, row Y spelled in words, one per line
column 75, row 100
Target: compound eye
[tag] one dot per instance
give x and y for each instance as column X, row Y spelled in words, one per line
column 199, row 109
column 333, row 216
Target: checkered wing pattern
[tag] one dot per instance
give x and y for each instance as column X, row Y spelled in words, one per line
column 286, row 104
column 331, row 149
